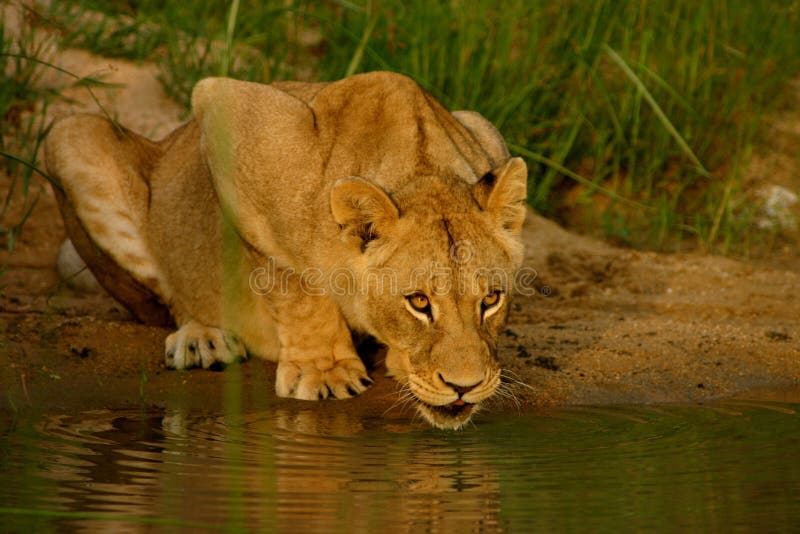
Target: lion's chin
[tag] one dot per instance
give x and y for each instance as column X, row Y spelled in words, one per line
column 448, row 417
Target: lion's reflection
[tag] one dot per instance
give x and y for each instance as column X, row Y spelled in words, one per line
column 293, row 468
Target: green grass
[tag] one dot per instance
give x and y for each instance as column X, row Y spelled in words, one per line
column 636, row 117
column 24, row 101
column 22, row 105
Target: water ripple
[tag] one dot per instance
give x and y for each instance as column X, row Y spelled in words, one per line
column 716, row 467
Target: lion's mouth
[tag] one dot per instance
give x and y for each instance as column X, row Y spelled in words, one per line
column 448, row 416
column 454, row 409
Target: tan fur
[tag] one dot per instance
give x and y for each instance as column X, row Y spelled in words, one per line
column 284, row 217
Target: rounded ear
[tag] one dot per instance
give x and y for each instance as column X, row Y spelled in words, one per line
column 485, row 133
column 502, row 192
column 362, row 208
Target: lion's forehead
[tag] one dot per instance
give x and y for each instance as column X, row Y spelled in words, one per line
column 448, row 249
column 440, row 275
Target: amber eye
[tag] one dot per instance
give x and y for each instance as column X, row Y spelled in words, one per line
column 491, row 300
column 419, row 302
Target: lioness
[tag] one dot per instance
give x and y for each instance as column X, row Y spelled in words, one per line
column 283, row 218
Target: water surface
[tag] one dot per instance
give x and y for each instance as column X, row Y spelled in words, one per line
column 722, row 467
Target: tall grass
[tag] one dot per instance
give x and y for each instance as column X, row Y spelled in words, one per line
column 635, row 116
column 23, row 103
column 655, row 100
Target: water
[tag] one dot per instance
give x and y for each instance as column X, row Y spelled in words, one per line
column 731, row 466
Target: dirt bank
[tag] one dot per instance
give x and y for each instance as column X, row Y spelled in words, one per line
column 607, row 325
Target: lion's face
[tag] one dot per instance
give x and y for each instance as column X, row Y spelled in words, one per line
column 436, row 292
column 442, row 323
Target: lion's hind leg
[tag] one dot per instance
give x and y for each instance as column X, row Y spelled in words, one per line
column 104, row 196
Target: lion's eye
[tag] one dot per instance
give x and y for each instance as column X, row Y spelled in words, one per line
column 419, row 302
column 491, row 300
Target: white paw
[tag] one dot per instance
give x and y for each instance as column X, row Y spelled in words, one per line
column 321, row 378
column 197, row 345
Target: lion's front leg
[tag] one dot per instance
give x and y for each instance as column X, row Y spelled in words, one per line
column 317, row 358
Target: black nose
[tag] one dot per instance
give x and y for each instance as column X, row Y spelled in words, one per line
column 461, row 390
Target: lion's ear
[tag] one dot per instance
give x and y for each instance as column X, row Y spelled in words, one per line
column 362, row 208
column 502, row 192
column 250, row 134
column 485, row 133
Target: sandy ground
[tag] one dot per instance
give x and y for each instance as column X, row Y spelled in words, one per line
column 607, row 325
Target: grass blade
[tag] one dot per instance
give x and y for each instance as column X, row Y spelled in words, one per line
column 358, row 54
column 32, row 167
column 616, row 58
column 229, row 32
column 577, row 177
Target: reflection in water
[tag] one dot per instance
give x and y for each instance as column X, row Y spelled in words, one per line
column 729, row 466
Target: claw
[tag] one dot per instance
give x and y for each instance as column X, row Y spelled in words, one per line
column 197, row 345
column 322, row 378
column 217, row 366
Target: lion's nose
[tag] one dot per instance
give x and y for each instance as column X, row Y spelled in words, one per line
column 460, row 389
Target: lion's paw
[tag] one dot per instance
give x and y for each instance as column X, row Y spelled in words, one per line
column 321, row 378
column 197, row 345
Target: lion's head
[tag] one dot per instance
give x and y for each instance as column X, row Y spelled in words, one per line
column 433, row 278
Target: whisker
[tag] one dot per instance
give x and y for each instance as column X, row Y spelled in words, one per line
column 513, row 398
column 400, row 387
column 505, row 390
column 404, row 397
column 508, row 379
column 510, row 374
column 417, row 415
